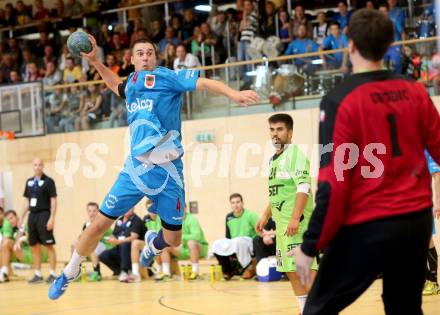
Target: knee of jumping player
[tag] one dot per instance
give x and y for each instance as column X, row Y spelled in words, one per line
column 172, row 238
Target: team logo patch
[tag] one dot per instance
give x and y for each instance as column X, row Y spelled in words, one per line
column 149, row 81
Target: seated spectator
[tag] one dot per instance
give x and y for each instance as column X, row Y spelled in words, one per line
column 399, row 32
column 28, row 57
column 73, row 100
column 194, row 246
column 48, row 57
column 58, row 10
column 118, row 112
column 284, row 28
column 40, row 46
column 342, row 17
column 169, row 56
column 72, row 8
column 127, row 229
column 22, row 14
column 92, row 211
column 126, row 67
column 267, row 20
column 71, row 73
column 91, row 74
column 265, row 243
column 235, row 252
column 52, row 75
column 138, row 24
column 397, row 14
column 320, row 30
column 336, row 40
column 55, row 103
column 111, row 63
column 152, row 223
column 176, row 24
column 7, row 65
column 209, row 40
column 13, row 245
column 157, row 31
column 41, row 12
column 184, row 59
column 302, row 45
column 91, row 110
column 14, row 50
column 103, row 37
column 116, row 46
column 298, row 19
column 9, row 18
column 14, row 77
column 188, row 25
column 32, row 73
column 196, row 43
column 370, row 4
column 168, row 39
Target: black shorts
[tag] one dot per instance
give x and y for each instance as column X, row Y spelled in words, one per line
column 38, row 233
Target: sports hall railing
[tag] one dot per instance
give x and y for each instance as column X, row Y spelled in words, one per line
column 284, row 82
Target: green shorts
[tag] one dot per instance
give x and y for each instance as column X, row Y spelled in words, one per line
column 184, row 252
column 287, row 243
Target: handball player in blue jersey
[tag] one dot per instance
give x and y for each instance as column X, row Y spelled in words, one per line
column 154, row 167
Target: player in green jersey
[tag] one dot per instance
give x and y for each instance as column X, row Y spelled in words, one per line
column 291, row 201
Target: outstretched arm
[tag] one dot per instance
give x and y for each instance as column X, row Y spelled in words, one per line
column 111, row 79
column 242, row 98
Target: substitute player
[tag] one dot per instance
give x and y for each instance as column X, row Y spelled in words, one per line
column 291, row 201
column 154, row 167
column 373, row 212
column 431, row 284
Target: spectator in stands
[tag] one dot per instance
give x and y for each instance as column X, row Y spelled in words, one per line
column 9, row 16
column 217, row 24
column 185, row 60
column 27, row 57
column 71, row 73
column 320, row 30
column 43, row 41
column 138, row 24
column 41, row 12
column 110, row 61
column 14, row 77
column 176, row 24
column 284, row 28
column 188, row 25
column 399, row 32
column 194, row 246
column 72, row 8
column 32, row 73
column 393, row 59
column 157, row 32
column 47, row 57
column 396, row 13
column 7, row 65
column 14, row 50
column 248, row 30
column 58, row 10
column 22, row 14
column 103, row 37
column 370, row 5
column 169, row 56
column 209, row 39
column 91, row 74
column 126, row 67
column 299, row 18
column 73, row 100
column 52, row 75
column 118, row 259
column 118, row 113
column 302, row 45
column 336, row 40
column 13, row 245
column 54, row 105
column 196, row 43
column 63, row 58
column 268, row 20
column 342, row 17
column 115, row 47
column 264, row 243
column 90, row 111
column 168, row 39
column 233, row 30
column 124, row 40
column 235, row 252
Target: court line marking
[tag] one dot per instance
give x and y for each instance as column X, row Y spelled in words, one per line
column 161, row 303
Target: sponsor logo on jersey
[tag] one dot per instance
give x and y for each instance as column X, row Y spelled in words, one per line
column 140, row 105
column 111, row 201
column 150, row 79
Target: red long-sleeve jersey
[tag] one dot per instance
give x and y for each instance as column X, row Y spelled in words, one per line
column 387, row 121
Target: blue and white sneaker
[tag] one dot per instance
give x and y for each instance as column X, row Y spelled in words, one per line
column 147, row 254
column 60, row 285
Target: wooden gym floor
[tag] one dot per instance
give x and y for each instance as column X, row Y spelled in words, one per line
column 235, row 297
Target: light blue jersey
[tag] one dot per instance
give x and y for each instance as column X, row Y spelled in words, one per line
column 433, row 167
column 153, row 168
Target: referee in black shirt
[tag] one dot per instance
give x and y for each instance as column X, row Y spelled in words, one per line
column 40, row 200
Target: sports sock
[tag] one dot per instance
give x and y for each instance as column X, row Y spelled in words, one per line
column 72, row 268
column 159, row 243
column 433, row 264
column 4, row 270
column 38, row 273
column 135, row 268
column 195, row 268
column 302, row 302
column 166, row 268
column 159, row 268
column 97, row 268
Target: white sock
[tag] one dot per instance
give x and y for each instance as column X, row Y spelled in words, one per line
column 5, row 270
column 302, row 302
column 72, row 268
column 195, row 268
column 38, row 273
column 52, row 272
column 135, row 268
column 159, row 268
column 166, row 268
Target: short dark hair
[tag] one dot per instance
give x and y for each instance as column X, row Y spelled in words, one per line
column 334, row 23
column 70, row 58
column 236, row 195
column 371, row 32
column 384, row 5
column 284, row 118
column 145, row 41
column 343, row 2
column 92, row 204
column 11, row 212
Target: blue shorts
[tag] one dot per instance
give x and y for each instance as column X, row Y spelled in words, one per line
column 162, row 184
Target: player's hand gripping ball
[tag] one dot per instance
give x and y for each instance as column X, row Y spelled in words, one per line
column 79, row 42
